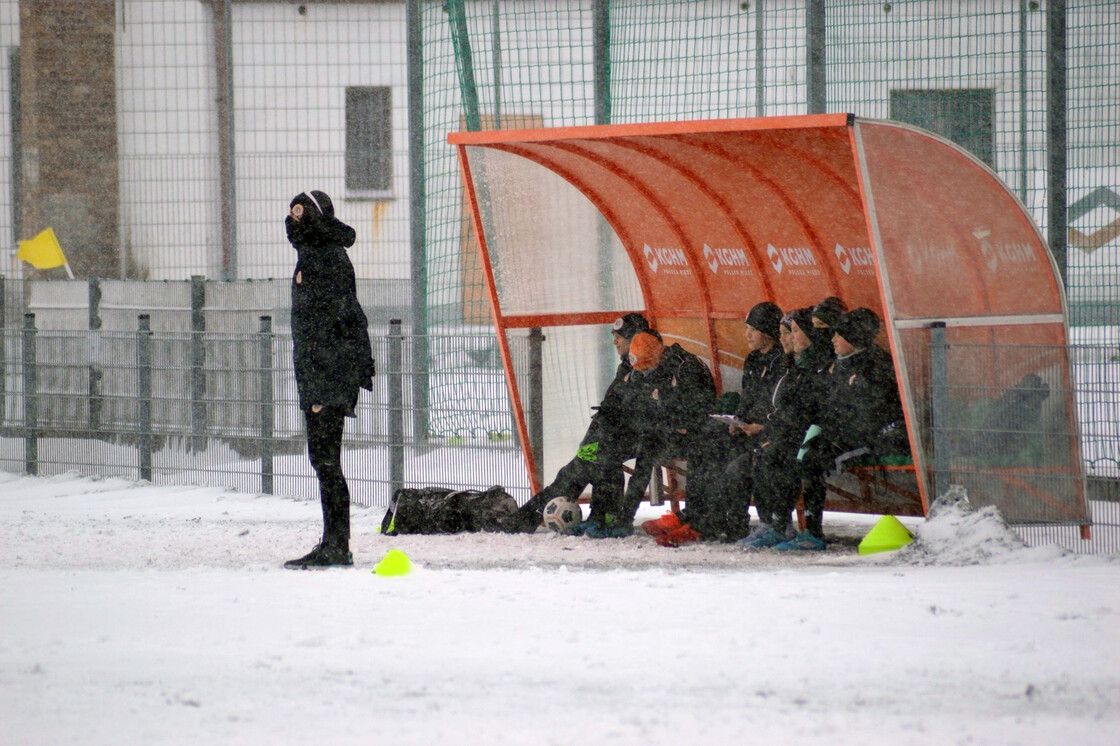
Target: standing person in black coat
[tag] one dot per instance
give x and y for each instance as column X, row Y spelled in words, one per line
column 333, row 359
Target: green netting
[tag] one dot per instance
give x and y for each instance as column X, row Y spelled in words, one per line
column 973, row 72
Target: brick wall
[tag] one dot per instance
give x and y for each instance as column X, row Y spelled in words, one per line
column 69, row 129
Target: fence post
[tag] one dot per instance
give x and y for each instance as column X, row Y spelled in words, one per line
column 601, row 59
column 816, row 73
column 536, row 398
column 417, row 220
column 95, row 401
column 396, row 408
column 3, row 352
column 30, row 397
column 198, row 362
column 144, row 413
column 266, row 403
column 939, row 407
column 1057, row 142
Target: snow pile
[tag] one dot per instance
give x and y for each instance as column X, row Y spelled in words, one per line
column 958, row 534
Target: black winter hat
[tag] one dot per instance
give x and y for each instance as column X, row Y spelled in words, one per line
column 629, row 325
column 767, row 318
column 859, row 326
column 830, row 310
column 803, row 317
column 316, row 204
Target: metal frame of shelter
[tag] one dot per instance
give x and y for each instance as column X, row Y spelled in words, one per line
column 692, row 223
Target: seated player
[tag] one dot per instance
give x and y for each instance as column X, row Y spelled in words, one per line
column 671, row 395
column 726, row 518
column 861, row 414
column 795, row 403
column 608, row 442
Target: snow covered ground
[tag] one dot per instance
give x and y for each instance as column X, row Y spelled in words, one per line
column 132, row 613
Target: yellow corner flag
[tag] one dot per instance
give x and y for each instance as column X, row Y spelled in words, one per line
column 43, row 252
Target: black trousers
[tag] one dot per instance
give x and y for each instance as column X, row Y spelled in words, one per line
column 324, row 448
column 604, row 476
column 733, row 491
column 703, row 509
column 819, row 460
column 777, row 484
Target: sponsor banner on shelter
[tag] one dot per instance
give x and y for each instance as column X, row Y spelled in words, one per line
column 795, row 261
column 666, row 260
column 855, row 260
column 727, row 261
column 1004, row 257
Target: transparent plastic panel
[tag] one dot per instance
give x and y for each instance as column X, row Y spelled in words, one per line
column 578, row 364
column 550, row 249
column 1002, row 419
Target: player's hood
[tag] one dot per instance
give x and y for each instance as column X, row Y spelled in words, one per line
column 317, row 226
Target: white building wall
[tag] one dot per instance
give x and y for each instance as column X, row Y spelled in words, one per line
column 167, row 139
column 291, row 70
column 290, row 77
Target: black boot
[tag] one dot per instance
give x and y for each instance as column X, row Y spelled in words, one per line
column 323, row 555
column 334, row 549
column 335, row 496
column 815, row 490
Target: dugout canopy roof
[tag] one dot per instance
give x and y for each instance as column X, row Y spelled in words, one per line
column 692, row 223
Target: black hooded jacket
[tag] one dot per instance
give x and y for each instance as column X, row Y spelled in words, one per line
column 677, row 395
column 761, row 372
column 861, row 399
column 331, row 348
column 797, row 398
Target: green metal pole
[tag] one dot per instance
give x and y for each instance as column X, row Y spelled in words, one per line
column 759, row 61
column 817, row 79
column 601, row 59
column 601, row 64
column 496, row 45
column 1056, row 131
column 460, row 40
column 1023, row 101
column 417, row 219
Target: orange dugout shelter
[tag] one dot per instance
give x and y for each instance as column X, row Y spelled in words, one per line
column 692, row 223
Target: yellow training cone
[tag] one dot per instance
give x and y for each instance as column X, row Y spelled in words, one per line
column 394, row 563
column 886, row 536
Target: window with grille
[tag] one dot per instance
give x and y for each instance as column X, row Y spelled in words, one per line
column 963, row 115
column 369, row 141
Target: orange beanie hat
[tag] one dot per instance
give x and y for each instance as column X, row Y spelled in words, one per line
column 645, row 351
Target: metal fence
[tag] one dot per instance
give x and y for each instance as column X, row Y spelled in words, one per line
column 161, row 137
column 220, row 408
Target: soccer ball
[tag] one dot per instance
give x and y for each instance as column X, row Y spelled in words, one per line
column 562, row 513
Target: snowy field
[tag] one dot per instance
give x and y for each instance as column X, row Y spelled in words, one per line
column 132, row 613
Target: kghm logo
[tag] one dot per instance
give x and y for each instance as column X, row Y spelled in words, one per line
column 1010, row 255
column 859, row 258
column 731, row 261
column 792, row 260
column 932, row 257
column 672, row 261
